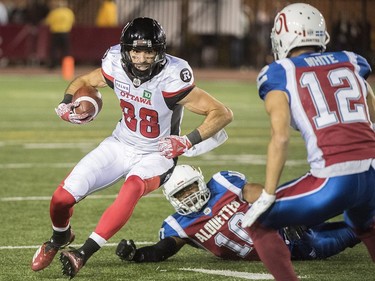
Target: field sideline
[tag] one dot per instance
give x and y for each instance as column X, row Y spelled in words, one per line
column 37, row 150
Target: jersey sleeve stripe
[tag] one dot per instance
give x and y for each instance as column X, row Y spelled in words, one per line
column 107, row 76
column 225, row 183
column 176, row 226
column 173, row 94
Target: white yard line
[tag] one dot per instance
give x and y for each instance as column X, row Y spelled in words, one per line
column 230, row 273
column 207, row 159
column 48, row 198
column 59, row 145
column 35, row 165
column 72, row 245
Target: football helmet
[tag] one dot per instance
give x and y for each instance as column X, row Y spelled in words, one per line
column 143, row 34
column 298, row 25
column 183, row 176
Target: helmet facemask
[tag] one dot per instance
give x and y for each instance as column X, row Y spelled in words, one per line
column 185, row 178
column 140, row 76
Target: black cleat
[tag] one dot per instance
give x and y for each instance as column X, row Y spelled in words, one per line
column 72, row 261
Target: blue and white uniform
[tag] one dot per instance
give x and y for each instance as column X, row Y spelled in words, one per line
column 217, row 227
column 327, row 98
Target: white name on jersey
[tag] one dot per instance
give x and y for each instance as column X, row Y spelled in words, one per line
column 213, row 225
column 321, row 60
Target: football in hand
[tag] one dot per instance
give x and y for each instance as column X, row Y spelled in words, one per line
column 90, row 101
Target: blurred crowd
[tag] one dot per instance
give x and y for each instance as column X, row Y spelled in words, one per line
column 239, row 40
column 350, row 34
column 23, row 11
column 35, row 11
column 55, row 15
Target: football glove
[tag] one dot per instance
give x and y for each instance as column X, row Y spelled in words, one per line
column 65, row 112
column 126, row 250
column 173, row 146
column 292, row 233
column 264, row 201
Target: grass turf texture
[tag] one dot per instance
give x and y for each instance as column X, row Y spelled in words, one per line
column 37, row 150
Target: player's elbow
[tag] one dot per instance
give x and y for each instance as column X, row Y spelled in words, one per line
column 281, row 141
column 227, row 115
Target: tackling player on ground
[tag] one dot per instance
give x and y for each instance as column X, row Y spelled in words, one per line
column 153, row 88
column 209, row 216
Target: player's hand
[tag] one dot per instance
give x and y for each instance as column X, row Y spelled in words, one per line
column 173, row 146
column 264, row 201
column 126, row 250
column 65, row 112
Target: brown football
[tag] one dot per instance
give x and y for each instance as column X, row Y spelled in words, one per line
column 90, row 101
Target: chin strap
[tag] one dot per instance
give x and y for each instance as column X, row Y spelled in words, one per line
column 139, row 77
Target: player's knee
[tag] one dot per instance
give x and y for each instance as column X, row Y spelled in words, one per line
column 61, row 198
column 134, row 184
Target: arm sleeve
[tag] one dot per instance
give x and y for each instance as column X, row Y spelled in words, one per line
column 162, row 250
column 271, row 77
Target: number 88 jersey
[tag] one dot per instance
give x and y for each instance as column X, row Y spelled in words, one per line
column 327, row 98
column 150, row 110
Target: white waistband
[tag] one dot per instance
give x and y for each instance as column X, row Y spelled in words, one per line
column 345, row 168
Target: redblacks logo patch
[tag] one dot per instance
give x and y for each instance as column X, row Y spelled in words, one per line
column 185, row 75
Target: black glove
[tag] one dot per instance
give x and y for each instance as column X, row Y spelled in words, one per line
column 293, row 233
column 126, row 250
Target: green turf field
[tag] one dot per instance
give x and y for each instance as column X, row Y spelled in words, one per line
column 37, row 150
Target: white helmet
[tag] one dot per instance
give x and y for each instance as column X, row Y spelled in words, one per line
column 298, row 25
column 183, row 176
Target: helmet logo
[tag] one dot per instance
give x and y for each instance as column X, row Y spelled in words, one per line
column 142, row 43
column 280, row 23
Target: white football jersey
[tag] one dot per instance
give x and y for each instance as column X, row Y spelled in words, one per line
column 149, row 111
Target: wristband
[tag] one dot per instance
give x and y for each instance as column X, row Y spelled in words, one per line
column 194, row 137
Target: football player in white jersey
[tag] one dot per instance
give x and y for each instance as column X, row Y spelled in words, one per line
column 325, row 96
column 153, row 88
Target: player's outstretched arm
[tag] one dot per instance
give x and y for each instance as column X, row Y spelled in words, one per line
column 277, row 107
column 202, row 103
column 160, row 251
column 217, row 114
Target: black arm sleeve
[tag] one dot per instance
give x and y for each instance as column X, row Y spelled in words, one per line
column 162, row 250
column 109, row 82
column 172, row 101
